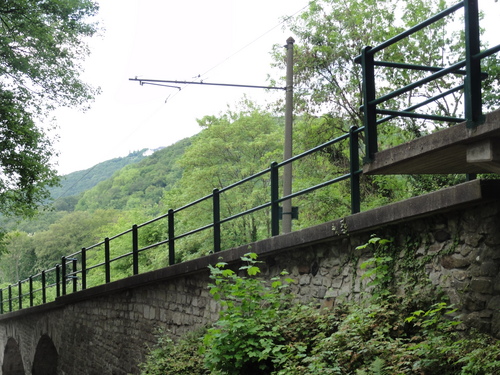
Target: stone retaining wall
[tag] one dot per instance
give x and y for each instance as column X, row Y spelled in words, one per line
column 107, row 329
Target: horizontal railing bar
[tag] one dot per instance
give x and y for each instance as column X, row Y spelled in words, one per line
column 389, row 64
column 413, row 30
column 152, row 246
column 94, row 245
column 251, row 210
column 200, row 229
column 425, row 102
column 258, row 174
column 95, row 266
column 120, row 257
column 487, row 52
column 74, row 254
column 119, row 234
column 418, row 83
column 192, row 203
column 323, row 184
column 419, row 115
column 311, row 151
column 152, row 220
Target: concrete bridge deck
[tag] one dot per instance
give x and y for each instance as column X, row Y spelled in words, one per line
column 457, row 149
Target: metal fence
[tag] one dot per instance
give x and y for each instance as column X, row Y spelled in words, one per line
column 71, row 273
column 471, row 85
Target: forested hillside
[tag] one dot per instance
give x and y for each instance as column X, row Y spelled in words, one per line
column 102, row 197
column 230, row 147
column 247, row 138
column 75, row 183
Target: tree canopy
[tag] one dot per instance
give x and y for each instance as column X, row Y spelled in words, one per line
column 331, row 33
column 42, row 45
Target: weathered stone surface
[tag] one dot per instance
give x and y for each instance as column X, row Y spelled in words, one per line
column 442, row 235
column 482, row 285
column 113, row 324
column 454, row 261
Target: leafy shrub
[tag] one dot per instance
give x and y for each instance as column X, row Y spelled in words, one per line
column 246, row 339
column 179, row 358
column 260, row 331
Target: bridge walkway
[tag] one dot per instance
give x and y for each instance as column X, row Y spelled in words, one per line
column 457, row 149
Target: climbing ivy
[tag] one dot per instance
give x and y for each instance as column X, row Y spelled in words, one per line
column 384, row 332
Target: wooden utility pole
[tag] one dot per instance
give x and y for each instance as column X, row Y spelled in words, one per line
column 287, row 149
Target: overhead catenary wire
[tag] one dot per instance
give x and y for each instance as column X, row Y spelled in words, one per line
column 185, row 83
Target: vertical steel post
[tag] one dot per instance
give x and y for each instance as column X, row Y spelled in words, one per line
column 10, row 298
column 63, row 275
column 369, row 110
column 31, row 290
column 472, row 92
column 84, row 268
column 216, row 218
column 44, row 286
column 74, row 277
column 20, row 294
column 275, row 220
column 107, row 268
column 171, row 237
column 135, row 250
column 354, row 168
column 287, row 152
column 58, row 280
column 1, row 301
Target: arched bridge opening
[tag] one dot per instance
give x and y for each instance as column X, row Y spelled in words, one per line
column 12, row 360
column 46, row 357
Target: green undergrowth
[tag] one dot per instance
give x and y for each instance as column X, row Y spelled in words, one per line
column 262, row 331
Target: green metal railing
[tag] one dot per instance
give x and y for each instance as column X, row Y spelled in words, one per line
column 71, row 274
column 471, row 86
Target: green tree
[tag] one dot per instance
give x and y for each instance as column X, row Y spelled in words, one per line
column 139, row 185
column 331, row 33
column 41, row 48
column 230, row 147
column 19, row 262
column 328, row 89
column 69, row 234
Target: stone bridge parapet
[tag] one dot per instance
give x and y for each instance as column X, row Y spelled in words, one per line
column 107, row 329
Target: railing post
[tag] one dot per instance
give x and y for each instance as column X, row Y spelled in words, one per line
column 44, row 291
column 20, row 294
column 354, row 165
column 1, row 301
column 74, row 277
column 31, row 291
column 472, row 92
column 135, row 250
column 107, row 268
column 58, row 280
column 10, row 298
column 216, row 218
column 84, row 268
column 275, row 220
column 369, row 110
column 171, row 237
column 63, row 275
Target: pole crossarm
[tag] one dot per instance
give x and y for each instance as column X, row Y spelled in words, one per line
column 161, row 81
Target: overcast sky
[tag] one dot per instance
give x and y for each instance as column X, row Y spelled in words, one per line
column 224, row 41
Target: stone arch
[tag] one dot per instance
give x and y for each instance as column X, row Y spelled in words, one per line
column 45, row 361
column 12, row 360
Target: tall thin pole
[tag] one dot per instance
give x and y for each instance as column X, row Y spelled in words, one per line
column 287, row 153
